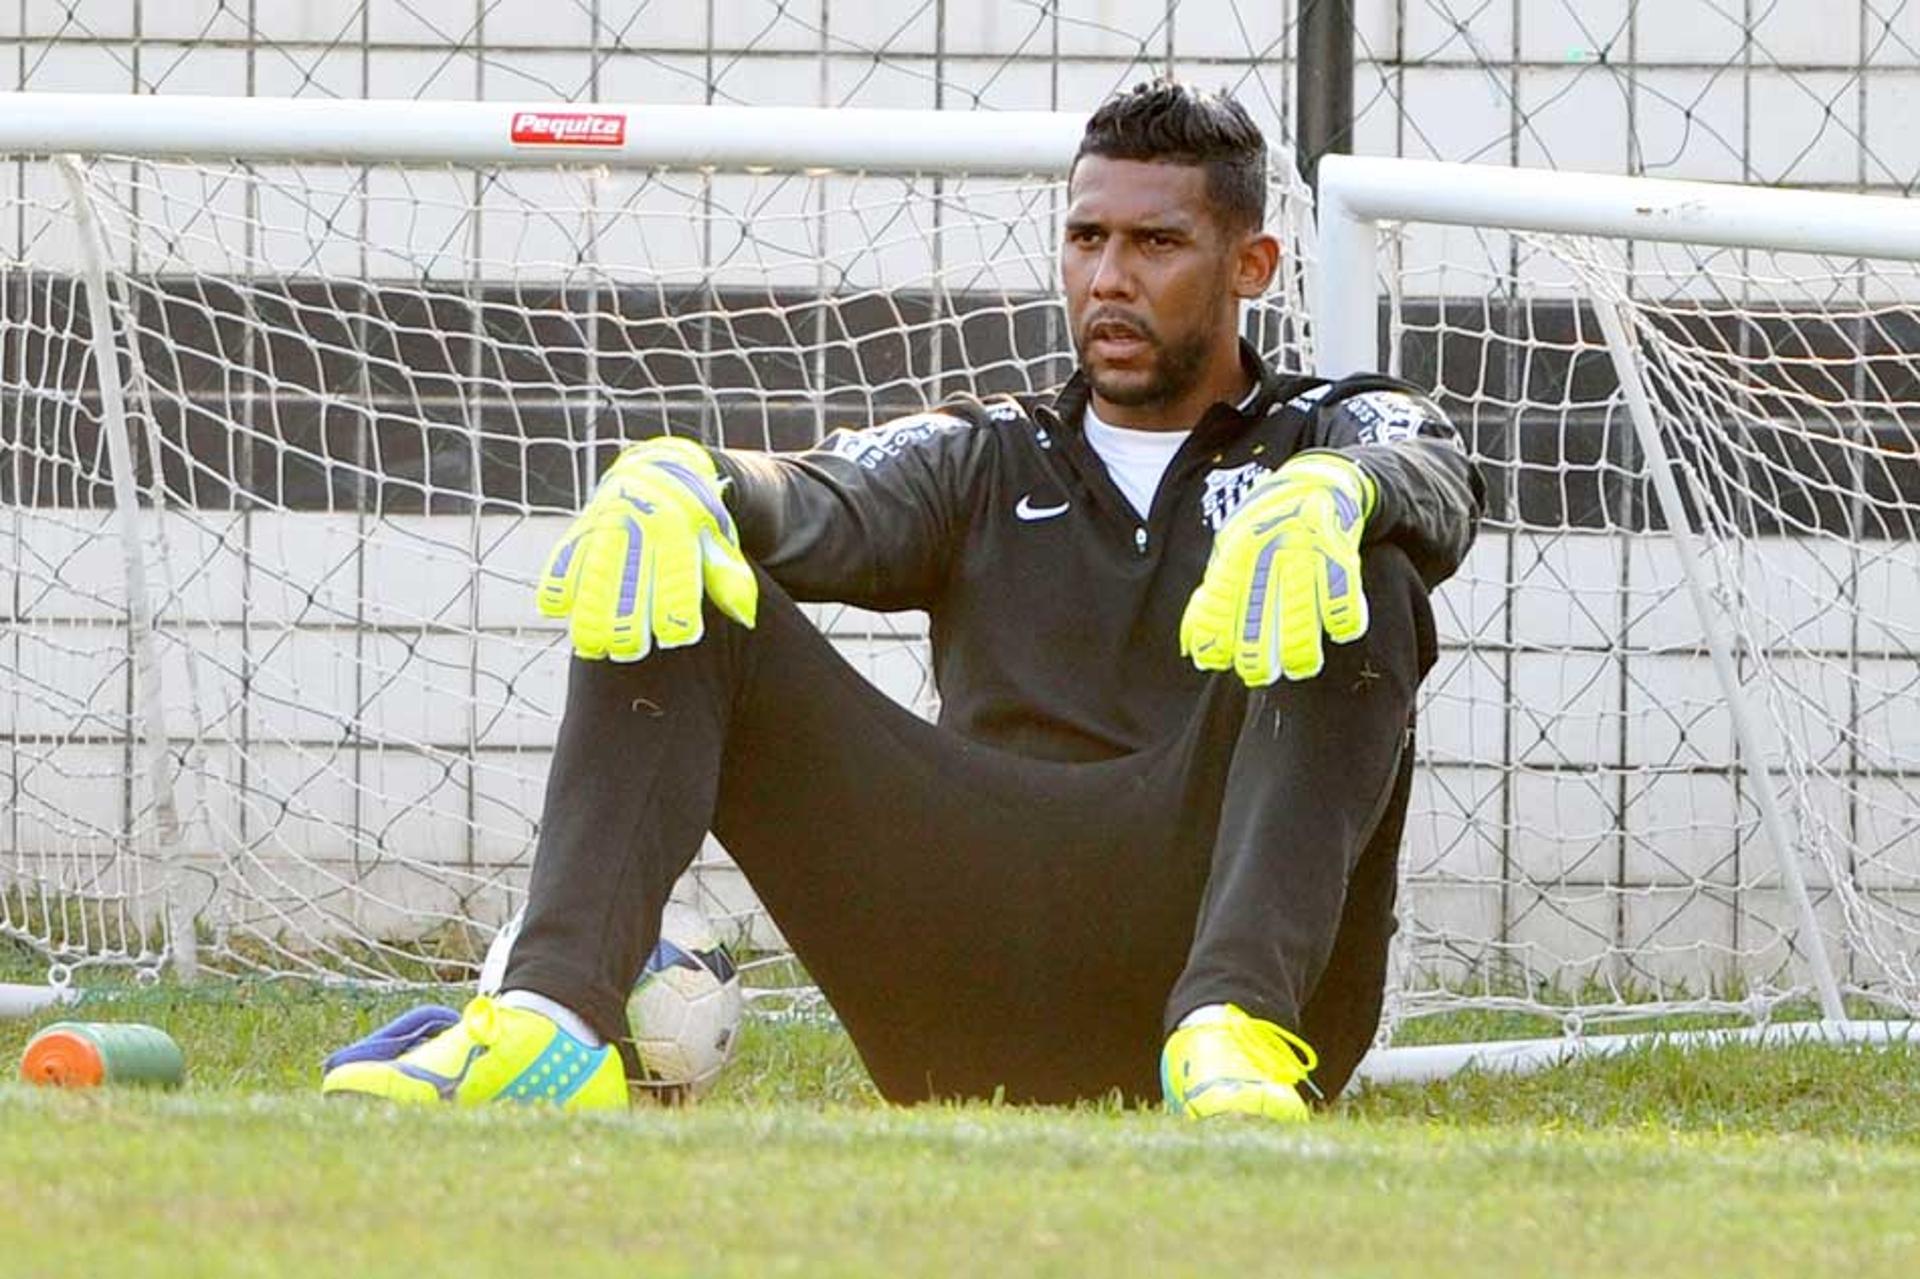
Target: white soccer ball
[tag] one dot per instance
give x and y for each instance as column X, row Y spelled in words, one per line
column 684, row 1012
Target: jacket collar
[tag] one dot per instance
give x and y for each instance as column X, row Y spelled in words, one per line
column 1271, row 388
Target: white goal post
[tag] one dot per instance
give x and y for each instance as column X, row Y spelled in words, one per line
column 297, row 392
column 1730, row 372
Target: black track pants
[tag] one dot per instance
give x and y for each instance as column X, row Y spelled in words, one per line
column 984, row 922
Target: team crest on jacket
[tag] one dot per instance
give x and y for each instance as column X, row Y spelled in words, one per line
column 1226, row 490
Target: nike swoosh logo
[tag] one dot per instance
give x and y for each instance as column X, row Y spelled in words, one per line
column 1026, row 510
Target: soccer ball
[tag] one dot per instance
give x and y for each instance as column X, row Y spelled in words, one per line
column 684, row 1012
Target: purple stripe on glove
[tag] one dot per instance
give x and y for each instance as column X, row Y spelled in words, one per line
column 703, row 493
column 1257, row 593
column 630, row 575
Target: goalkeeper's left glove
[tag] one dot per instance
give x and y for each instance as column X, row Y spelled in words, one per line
column 655, row 539
column 1284, row 568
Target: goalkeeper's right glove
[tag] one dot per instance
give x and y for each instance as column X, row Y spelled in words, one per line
column 1285, row 568
column 631, row 570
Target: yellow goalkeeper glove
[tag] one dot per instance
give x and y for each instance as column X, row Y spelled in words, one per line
column 632, row 568
column 1284, row 568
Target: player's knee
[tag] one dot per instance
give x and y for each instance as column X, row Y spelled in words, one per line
column 1397, row 599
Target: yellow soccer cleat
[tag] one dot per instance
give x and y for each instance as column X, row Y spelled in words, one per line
column 492, row 1053
column 1285, row 570
column 1236, row 1064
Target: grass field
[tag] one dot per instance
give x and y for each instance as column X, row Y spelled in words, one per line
column 1735, row 1162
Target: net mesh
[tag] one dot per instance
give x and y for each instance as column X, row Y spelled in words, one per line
column 362, row 402
column 1588, row 838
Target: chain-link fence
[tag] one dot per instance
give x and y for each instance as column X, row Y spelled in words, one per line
column 1775, row 91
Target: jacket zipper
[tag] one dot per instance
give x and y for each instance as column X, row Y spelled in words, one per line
column 1080, row 456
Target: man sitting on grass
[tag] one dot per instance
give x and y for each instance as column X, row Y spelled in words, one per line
column 1159, row 816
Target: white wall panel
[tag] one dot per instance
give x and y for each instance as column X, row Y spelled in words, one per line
column 1805, row 126
column 1678, row 938
column 1566, row 588
column 1821, row 34
column 1893, row 104
column 1680, row 829
column 304, row 568
column 1691, row 123
column 902, row 82
column 868, row 28
column 414, row 806
column 1260, row 32
column 70, row 799
column 1463, row 714
column 1458, row 30
column 422, row 73
column 1574, row 33
column 1576, row 119
column 62, row 19
column 1115, row 28
column 771, row 25
column 1700, row 31
column 522, row 686
column 300, row 802
column 311, row 21
column 79, row 68
column 1457, row 113
column 1454, row 825
column 655, row 78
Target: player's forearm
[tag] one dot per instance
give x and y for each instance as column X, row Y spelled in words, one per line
column 754, row 495
column 803, row 530
column 1431, row 498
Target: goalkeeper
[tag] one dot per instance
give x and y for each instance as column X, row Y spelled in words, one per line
column 1179, row 612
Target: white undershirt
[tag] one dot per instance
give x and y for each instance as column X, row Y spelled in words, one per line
column 1136, row 459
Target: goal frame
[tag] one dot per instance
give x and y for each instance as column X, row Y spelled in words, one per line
column 1356, row 197
column 372, row 131
column 62, row 128
column 1359, row 196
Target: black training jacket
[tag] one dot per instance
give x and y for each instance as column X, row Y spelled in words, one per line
column 1054, row 609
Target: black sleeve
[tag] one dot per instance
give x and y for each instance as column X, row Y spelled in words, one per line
column 868, row 517
column 1431, row 495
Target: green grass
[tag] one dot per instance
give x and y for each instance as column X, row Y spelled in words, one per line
column 1737, row 1161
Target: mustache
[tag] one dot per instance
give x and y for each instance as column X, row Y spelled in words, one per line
column 1115, row 322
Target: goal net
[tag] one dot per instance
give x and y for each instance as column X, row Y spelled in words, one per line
column 1669, row 754
column 284, row 439
column 286, row 442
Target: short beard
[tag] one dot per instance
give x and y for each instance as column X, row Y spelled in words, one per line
column 1174, row 374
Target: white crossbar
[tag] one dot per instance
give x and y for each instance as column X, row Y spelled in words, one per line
column 632, row 134
column 1359, row 192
